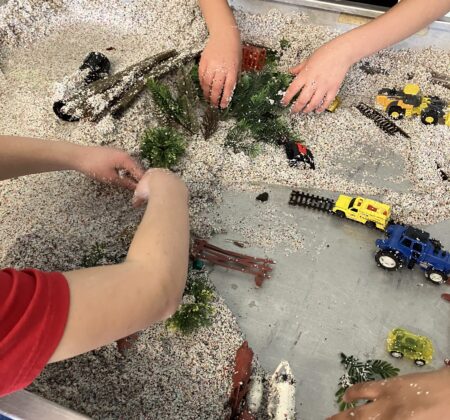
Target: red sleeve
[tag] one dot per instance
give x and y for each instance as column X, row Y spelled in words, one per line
column 33, row 312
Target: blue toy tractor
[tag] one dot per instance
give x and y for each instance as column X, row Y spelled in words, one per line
column 408, row 246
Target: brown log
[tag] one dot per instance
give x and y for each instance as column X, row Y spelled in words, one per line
column 114, row 94
column 241, row 379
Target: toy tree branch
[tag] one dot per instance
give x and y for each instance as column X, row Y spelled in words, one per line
column 114, row 94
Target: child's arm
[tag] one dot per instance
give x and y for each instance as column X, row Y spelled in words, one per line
column 320, row 76
column 221, row 59
column 23, row 156
column 111, row 302
column 420, row 396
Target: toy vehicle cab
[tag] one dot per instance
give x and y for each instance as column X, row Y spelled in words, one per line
column 403, row 343
column 363, row 210
column 297, row 153
column 406, row 245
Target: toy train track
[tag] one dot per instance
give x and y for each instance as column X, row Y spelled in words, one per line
column 440, row 79
column 380, row 120
column 311, row 201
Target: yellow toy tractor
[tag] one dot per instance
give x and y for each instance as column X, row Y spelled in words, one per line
column 410, row 101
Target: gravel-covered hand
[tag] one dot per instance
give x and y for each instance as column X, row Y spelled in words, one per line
column 158, row 180
column 219, row 67
column 110, row 165
column 318, row 78
column 420, row 396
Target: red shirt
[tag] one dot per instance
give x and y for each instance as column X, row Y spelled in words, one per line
column 33, row 312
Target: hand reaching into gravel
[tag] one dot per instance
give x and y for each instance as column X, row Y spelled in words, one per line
column 422, row 396
column 110, row 165
column 221, row 59
column 23, row 156
column 318, row 78
column 219, row 67
column 157, row 178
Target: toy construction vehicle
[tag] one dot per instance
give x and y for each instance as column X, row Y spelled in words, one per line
column 408, row 246
column 363, row 210
column 410, row 101
column 403, row 343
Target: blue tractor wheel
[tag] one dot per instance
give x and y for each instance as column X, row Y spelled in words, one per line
column 436, row 277
column 389, row 260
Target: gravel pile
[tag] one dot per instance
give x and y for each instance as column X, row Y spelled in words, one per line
column 51, row 220
column 166, row 375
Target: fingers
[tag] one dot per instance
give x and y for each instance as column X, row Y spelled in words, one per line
column 369, row 411
column 304, row 98
column 134, row 168
column 293, row 89
column 228, row 89
column 217, row 86
column 125, row 182
column 329, row 97
column 298, row 68
column 139, row 199
column 316, row 99
column 363, row 391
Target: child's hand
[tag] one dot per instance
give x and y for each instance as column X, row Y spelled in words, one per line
column 219, row 67
column 422, row 396
column 158, row 180
column 109, row 165
column 318, row 78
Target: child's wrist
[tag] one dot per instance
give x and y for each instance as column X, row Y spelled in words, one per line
column 226, row 31
column 347, row 49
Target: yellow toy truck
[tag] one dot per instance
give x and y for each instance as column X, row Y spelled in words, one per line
column 410, row 101
column 363, row 210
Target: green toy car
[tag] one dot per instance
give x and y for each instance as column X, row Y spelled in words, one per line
column 403, row 343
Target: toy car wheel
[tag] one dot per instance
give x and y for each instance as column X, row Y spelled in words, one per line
column 388, row 260
column 340, row 213
column 420, row 362
column 436, row 277
column 396, row 113
column 429, row 118
column 396, row 354
column 370, row 225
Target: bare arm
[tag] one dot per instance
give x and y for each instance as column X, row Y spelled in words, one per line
column 111, row 302
column 221, row 58
column 319, row 77
column 403, row 20
column 23, row 156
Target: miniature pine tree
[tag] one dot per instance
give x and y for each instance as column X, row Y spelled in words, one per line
column 357, row 371
column 162, row 146
column 94, row 257
column 256, row 106
column 210, row 122
column 178, row 109
column 196, row 310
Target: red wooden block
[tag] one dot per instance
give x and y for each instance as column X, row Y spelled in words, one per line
column 253, row 58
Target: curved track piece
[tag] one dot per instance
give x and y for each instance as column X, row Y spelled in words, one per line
column 380, row 120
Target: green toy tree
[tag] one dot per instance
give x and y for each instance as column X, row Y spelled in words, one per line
column 357, row 371
column 255, row 106
column 162, row 146
column 196, row 310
